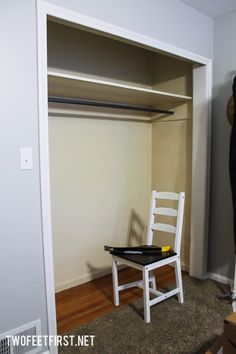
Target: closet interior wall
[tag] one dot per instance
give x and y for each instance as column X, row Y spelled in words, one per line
column 103, row 170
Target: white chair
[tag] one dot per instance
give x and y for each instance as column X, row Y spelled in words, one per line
column 148, row 263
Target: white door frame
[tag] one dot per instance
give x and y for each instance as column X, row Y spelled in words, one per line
column 202, row 83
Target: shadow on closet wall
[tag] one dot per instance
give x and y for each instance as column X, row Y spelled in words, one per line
column 137, row 230
column 136, row 235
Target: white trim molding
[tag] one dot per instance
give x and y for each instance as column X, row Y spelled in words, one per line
column 220, row 278
column 202, row 76
column 44, row 10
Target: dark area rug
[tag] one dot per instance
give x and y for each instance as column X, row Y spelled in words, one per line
column 188, row 328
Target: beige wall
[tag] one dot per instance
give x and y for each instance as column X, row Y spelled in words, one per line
column 101, row 172
column 100, row 186
column 171, row 166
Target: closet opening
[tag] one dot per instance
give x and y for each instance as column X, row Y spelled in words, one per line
column 99, row 164
column 106, row 158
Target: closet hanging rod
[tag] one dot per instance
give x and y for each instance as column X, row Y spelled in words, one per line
column 85, row 102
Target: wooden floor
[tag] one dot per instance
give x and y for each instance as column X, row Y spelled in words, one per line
column 86, row 302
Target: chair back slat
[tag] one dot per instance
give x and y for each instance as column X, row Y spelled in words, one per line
column 156, row 210
column 167, row 195
column 164, row 227
column 165, row 211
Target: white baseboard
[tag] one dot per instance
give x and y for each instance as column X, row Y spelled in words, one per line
column 94, row 275
column 85, row 278
column 81, row 279
column 220, row 278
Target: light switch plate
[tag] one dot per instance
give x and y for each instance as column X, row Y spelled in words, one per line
column 26, row 158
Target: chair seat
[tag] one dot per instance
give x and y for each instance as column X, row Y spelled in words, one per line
column 144, row 259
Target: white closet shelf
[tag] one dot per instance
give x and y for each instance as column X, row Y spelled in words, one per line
column 65, row 84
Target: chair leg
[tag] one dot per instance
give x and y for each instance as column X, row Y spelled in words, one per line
column 115, row 282
column 178, row 275
column 146, row 296
column 153, row 279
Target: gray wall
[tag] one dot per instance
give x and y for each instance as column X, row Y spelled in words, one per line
column 22, row 294
column 22, row 284
column 221, row 257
